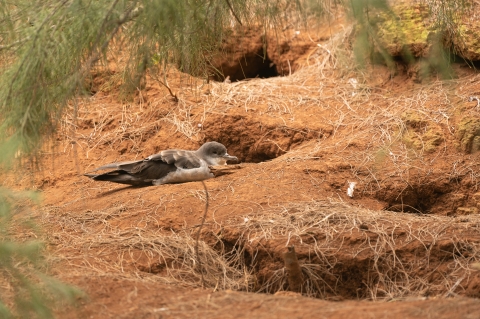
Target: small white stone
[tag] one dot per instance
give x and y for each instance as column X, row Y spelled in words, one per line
column 353, row 82
column 351, row 187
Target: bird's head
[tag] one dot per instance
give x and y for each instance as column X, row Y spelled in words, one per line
column 215, row 153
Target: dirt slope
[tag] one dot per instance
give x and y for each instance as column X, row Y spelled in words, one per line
column 409, row 234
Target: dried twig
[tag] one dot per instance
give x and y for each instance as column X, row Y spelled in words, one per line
column 199, row 231
column 295, row 277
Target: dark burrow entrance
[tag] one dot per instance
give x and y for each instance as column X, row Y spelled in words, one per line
column 254, row 64
column 435, row 195
column 253, row 141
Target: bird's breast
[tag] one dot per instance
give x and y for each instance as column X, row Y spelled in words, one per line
column 181, row 175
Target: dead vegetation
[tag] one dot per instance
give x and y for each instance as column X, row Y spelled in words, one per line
column 106, row 250
column 393, row 255
column 383, row 255
column 397, row 145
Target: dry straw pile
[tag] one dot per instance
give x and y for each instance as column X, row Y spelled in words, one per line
column 390, row 255
column 135, row 253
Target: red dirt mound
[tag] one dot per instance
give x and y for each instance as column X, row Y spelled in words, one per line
column 409, row 233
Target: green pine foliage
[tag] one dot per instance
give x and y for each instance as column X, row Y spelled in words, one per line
column 27, row 292
column 49, row 48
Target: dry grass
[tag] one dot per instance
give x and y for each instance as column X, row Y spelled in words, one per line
column 108, row 250
column 310, row 86
column 394, row 255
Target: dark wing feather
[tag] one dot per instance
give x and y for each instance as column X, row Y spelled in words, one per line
column 179, row 158
column 150, row 170
column 120, row 165
column 138, row 173
column 119, row 176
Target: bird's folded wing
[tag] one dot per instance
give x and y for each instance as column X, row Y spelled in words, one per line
column 179, row 158
column 119, row 165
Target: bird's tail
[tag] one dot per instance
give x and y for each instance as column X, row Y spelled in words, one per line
column 119, row 176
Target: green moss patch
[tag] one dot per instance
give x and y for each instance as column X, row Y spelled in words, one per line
column 468, row 135
column 421, row 134
column 406, row 27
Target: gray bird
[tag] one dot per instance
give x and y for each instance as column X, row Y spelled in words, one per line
column 170, row 166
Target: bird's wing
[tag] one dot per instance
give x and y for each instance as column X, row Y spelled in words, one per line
column 179, row 158
column 127, row 166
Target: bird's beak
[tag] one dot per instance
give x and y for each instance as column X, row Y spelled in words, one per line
column 230, row 158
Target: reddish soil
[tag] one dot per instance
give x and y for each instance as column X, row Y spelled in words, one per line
column 121, row 298
column 408, row 235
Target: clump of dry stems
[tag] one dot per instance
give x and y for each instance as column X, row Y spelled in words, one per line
column 108, row 250
column 395, row 255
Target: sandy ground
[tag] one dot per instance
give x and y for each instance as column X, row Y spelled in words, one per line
column 401, row 247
